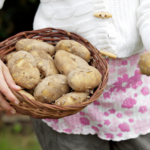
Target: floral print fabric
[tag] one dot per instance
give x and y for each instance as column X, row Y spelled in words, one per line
column 121, row 112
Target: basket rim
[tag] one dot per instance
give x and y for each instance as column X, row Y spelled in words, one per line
column 7, row 46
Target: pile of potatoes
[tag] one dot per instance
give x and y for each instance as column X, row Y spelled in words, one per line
column 58, row 75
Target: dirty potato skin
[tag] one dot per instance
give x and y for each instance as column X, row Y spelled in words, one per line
column 45, row 63
column 66, row 62
column 32, row 44
column 9, row 56
column 22, row 67
column 72, row 98
column 28, row 95
column 74, row 47
column 84, row 78
column 51, row 88
column 144, row 63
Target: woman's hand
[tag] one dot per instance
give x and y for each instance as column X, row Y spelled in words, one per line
column 6, row 81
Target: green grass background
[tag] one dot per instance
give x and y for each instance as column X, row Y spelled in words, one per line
column 18, row 137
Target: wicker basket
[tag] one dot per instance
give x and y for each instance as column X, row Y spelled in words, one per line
column 51, row 35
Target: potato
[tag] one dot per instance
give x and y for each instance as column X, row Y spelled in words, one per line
column 22, row 92
column 9, row 56
column 32, row 44
column 84, row 78
column 66, row 62
column 45, row 63
column 74, row 48
column 22, row 67
column 144, row 63
column 72, row 98
column 51, row 88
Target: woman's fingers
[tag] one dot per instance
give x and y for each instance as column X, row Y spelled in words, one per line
column 6, row 81
column 5, row 105
column 4, row 89
column 9, row 80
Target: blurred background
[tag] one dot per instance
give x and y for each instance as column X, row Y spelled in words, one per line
column 17, row 16
column 16, row 131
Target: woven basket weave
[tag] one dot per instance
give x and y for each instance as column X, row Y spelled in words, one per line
column 51, row 35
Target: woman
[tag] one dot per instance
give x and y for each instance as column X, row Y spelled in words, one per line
column 119, row 119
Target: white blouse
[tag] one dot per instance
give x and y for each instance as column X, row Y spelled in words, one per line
column 119, row 34
column 123, row 34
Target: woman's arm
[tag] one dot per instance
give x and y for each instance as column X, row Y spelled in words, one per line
column 143, row 24
column 6, row 81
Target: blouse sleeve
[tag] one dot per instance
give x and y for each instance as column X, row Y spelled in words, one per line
column 1, row 3
column 143, row 24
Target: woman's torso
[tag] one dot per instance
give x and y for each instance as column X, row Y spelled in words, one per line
column 118, row 34
column 122, row 111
